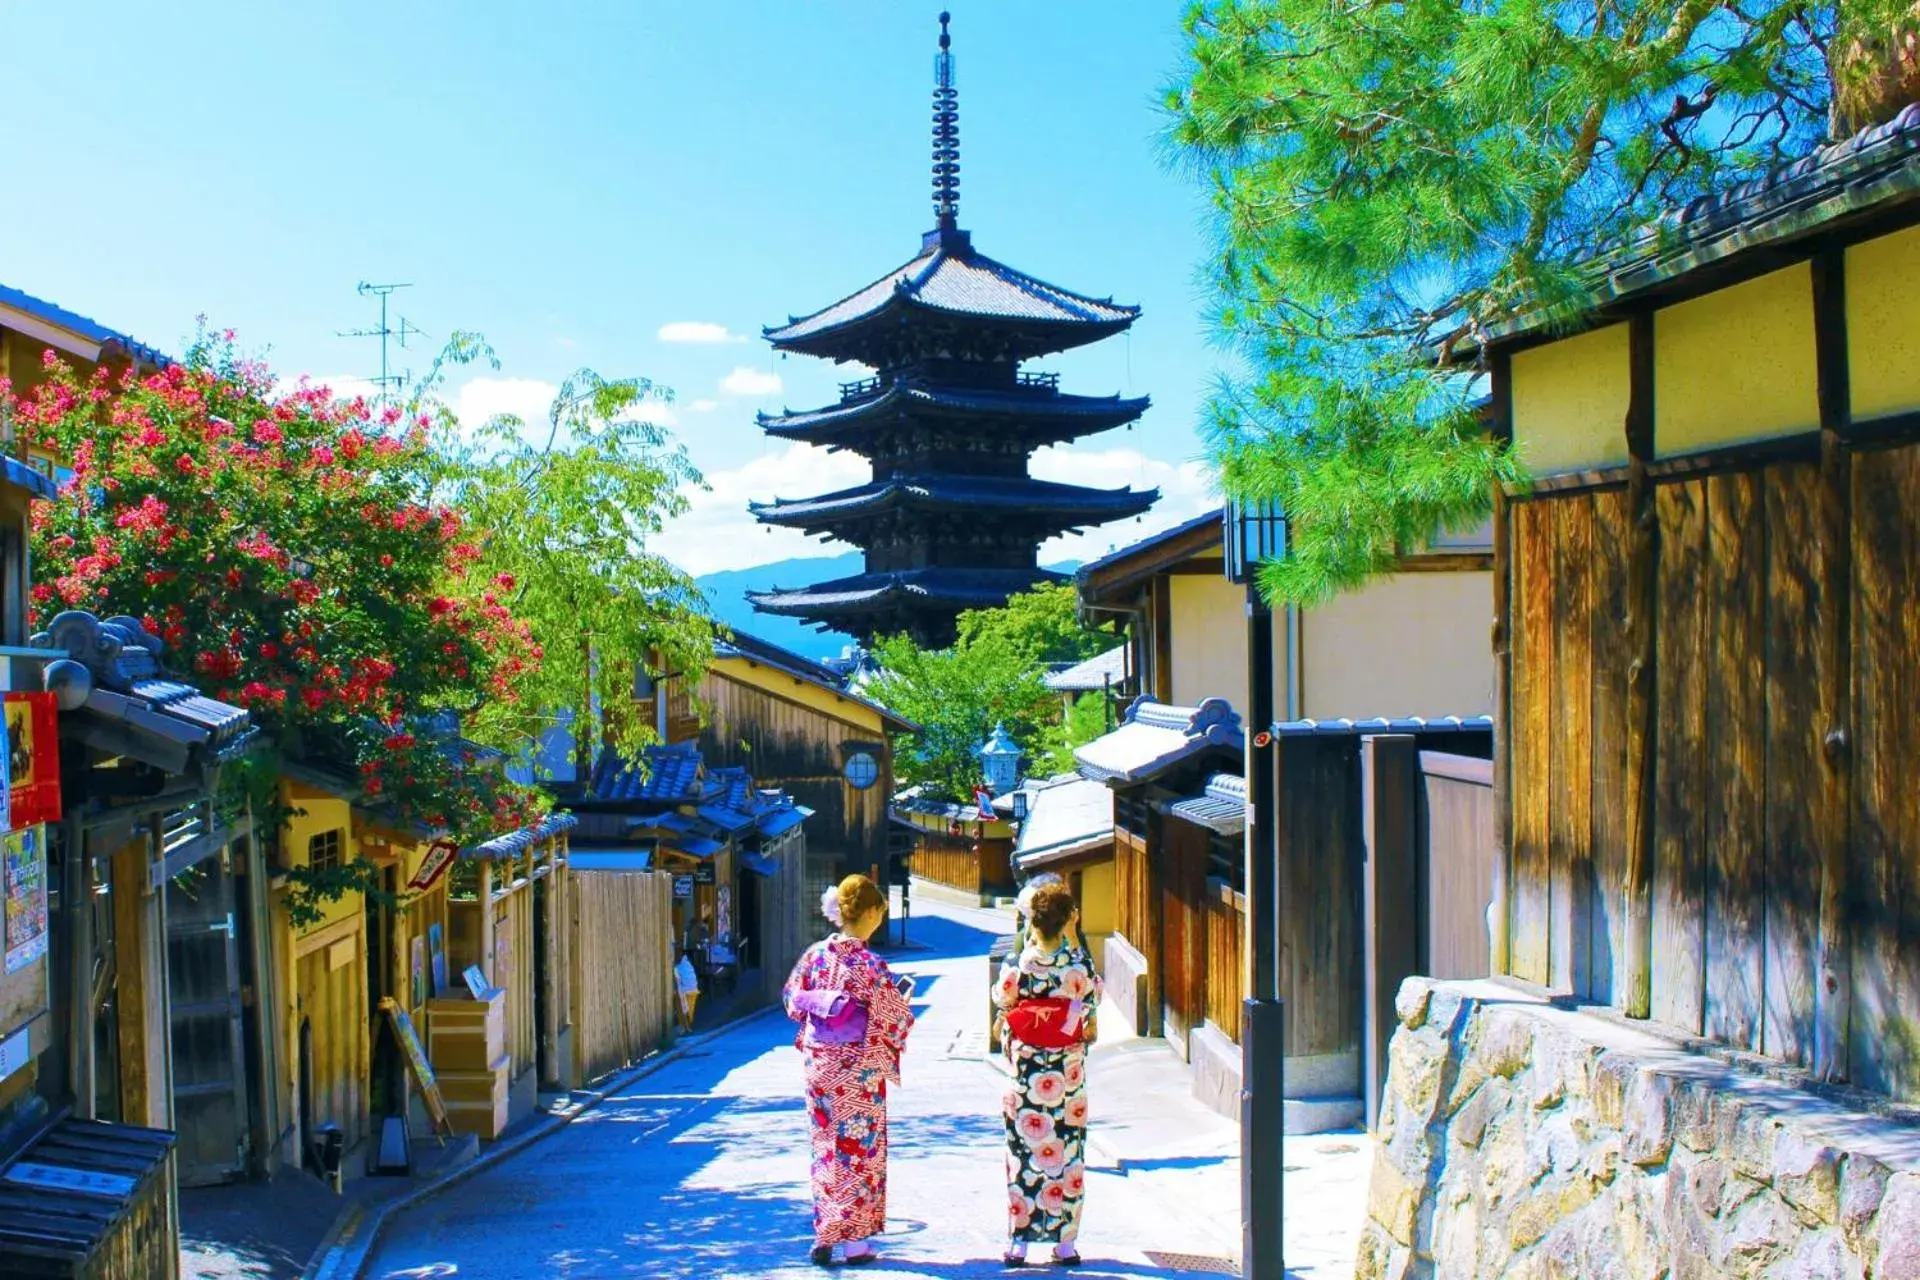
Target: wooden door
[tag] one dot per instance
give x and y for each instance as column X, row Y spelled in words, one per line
column 1183, row 939
column 1461, row 860
column 210, row 1094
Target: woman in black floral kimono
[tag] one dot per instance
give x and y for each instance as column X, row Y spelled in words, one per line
column 1048, row 994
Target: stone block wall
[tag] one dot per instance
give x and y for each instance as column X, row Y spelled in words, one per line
column 1124, row 972
column 1518, row 1139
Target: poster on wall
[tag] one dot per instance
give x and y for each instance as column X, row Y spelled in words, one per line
column 30, row 761
column 723, row 913
column 437, row 950
column 23, row 879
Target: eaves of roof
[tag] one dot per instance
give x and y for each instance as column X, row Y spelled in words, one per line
column 1121, row 570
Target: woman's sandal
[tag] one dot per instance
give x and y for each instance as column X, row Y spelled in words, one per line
column 822, row 1257
column 1012, row 1259
column 866, row 1259
column 1071, row 1258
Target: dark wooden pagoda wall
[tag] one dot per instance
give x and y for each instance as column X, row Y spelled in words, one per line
column 1751, row 802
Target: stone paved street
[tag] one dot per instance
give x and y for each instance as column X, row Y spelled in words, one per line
column 699, row 1169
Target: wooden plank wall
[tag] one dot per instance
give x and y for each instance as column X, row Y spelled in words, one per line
column 1321, row 855
column 1224, row 921
column 1183, row 944
column 1748, row 805
column 943, row 859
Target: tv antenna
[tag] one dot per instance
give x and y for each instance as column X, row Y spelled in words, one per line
column 390, row 384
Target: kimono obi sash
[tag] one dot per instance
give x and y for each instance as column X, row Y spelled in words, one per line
column 1045, row 1024
column 832, row 1017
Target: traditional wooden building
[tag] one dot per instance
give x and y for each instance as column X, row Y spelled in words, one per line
column 1414, row 643
column 951, row 519
column 1726, row 500
column 736, row 851
column 799, row 727
column 956, row 846
column 1069, row 831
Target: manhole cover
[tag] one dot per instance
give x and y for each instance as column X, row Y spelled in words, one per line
column 1194, row 1263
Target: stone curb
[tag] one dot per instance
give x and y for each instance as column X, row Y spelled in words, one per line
column 344, row 1251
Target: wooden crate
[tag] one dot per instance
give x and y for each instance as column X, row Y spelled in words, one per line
column 477, row 1100
column 466, row 1035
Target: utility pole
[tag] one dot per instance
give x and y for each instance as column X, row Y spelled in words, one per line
column 390, row 384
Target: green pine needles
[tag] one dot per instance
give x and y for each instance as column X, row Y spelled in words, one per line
column 1390, row 180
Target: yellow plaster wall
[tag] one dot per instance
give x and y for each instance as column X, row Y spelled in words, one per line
column 1209, row 640
column 1883, row 324
column 804, row 692
column 1409, row 644
column 322, row 812
column 1098, row 913
column 1570, row 402
column 1736, row 365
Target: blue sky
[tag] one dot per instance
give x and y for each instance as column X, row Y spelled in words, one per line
column 583, row 183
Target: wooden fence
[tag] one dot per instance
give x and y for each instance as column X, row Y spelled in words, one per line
column 961, row 862
column 1775, row 788
column 624, row 995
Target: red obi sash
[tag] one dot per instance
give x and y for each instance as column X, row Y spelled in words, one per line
column 1043, row 1024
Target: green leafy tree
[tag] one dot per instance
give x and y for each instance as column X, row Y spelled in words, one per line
column 563, row 515
column 1391, row 180
column 995, row 673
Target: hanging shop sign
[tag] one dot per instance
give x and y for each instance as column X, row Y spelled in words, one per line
column 31, row 773
column 704, row 873
column 683, row 886
column 434, row 865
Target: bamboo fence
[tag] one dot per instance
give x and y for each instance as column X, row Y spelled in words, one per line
column 623, row 988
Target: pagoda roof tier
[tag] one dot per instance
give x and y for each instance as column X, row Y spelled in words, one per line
column 999, row 496
column 1033, row 410
column 910, row 590
column 949, row 282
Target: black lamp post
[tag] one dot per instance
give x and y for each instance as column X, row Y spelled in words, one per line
column 1256, row 531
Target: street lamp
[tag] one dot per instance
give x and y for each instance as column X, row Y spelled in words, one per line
column 1000, row 761
column 1256, row 531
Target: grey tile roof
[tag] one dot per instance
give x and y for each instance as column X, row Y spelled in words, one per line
column 1043, row 418
column 1404, row 724
column 1221, row 807
column 949, row 277
column 74, row 322
column 515, row 843
column 739, row 644
column 1876, row 168
column 1101, row 671
column 610, row 859
column 868, row 592
column 1156, row 737
column 670, row 775
column 991, row 496
column 127, row 702
column 1069, row 811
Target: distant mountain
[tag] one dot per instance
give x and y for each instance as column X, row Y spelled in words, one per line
column 726, row 594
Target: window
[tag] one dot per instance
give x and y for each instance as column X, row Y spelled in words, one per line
column 862, row 770
column 324, row 850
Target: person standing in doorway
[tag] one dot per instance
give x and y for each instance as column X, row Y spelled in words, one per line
column 854, row 1021
column 1048, row 994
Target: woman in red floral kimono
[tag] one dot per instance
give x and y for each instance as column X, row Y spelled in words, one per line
column 854, row 1022
column 1048, row 994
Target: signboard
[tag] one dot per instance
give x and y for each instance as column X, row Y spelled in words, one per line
column 419, row 970
column 437, row 953
column 14, row 1052
column 23, row 884
column 434, row 865
column 683, row 886
column 86, row 1182
column 417, row 1059
column 32, row 756
column 476, row 982
column 703, row 874
column 983, row 802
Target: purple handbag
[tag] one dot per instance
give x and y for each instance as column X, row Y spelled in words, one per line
column 832, row 1017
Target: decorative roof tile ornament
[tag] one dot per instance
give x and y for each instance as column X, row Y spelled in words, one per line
column 1157, row 737
column 112, row 677
column 952, row 520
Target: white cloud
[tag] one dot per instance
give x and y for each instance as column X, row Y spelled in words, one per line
column 1186, row 490
column 750, row 384
column 479, row 399
column 704, row 406
column 704, row 332
column 720, row 533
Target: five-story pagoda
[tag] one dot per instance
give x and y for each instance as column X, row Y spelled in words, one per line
column 951, row 519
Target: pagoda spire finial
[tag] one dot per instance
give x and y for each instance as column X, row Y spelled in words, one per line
column 946, row 134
